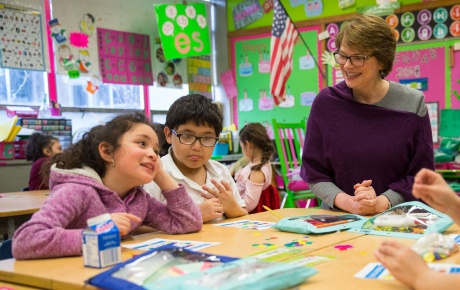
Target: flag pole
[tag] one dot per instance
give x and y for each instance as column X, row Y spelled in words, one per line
column 303, row 40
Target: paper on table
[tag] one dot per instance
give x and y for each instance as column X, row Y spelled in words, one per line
column 379, row 272
column 157, row 242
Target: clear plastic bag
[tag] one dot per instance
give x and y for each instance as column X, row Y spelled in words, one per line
column 435, row 246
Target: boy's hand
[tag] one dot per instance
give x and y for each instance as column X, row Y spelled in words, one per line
column 211, row 208
column 223, row 192
column 123, row 221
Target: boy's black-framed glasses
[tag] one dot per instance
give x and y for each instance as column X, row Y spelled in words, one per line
column 188, row 139
column 355, row 60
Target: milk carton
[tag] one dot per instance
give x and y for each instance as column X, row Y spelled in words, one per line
column 101, row 242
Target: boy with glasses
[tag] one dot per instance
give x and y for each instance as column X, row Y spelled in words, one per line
column 193, row 125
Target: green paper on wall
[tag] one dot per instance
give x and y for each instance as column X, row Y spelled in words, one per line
column 183, row 29
column 450, row 123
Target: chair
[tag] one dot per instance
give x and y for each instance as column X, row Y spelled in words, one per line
column 289, row 139
column 5, row 250
column 269, row 197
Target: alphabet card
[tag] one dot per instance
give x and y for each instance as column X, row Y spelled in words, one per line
column 183, row 29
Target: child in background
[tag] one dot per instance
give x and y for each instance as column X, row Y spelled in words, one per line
column 193, row 125
column 160, row 130
column 256, row 176
column 103, row 173
column 39, row 149
column 405, row 264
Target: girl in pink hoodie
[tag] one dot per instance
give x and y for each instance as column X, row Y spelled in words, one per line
column 104, row 173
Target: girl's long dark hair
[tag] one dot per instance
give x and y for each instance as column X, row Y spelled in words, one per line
column 257, row 135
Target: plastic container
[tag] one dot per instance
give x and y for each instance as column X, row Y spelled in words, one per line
column 221, row 149
column 13, row 150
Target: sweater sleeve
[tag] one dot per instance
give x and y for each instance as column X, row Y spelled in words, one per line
column 423, row 158
column 314, row 166
column 179, row 215
column 45, row 234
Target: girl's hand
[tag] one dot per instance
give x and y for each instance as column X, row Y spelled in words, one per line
column 405, row 264
column 123, row 221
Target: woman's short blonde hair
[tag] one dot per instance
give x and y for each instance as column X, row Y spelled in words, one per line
column 370, row 35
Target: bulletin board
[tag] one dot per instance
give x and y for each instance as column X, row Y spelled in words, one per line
column 423, row 69
column 251, row 68
column 136, row 16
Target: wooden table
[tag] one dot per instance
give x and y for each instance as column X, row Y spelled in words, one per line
column 69, row 273
column 16, row 208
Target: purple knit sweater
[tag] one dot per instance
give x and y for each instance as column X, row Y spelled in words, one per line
column 77, row 195
column 348, row 142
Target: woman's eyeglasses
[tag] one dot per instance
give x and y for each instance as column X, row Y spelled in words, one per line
column 188, row 139
column 355, row 60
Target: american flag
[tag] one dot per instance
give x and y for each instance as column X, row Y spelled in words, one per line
column 284, row 36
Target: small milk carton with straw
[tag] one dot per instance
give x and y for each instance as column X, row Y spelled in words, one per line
column 101, row 242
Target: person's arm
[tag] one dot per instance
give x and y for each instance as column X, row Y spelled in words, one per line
column 254, row 187
column 179, row 215
column 410, row 269
column 431, row 187
column 45, row 234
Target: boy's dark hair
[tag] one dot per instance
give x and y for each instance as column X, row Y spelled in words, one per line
column 257, row 135
column 196, row 108
column 86, row 150
column 164, row 145
column 37, row 143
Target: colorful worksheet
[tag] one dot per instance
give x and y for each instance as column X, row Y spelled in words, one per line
column 379, row 272
column 291, row 256
column 156, row 243
column 248, row 224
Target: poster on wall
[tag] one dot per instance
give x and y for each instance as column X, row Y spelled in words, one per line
column 199, row 75
column 124, row 58
column 455, row 80
column 246, row 13
column 433, row 112
column 251, row 64
column 420, row 69
column 426, row 24
column 168, row 73
column 183, row 29
column 21, row 40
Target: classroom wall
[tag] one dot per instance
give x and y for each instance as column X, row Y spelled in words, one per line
column 431, row 63
column 134, row 16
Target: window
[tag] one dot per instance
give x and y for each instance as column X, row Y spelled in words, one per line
column 73, row 93
column 22, row 87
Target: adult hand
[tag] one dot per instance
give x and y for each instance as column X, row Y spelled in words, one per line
column 123, row 221
column 364, row 190
column 403, row 263
column 369, row 206
column 211, row 208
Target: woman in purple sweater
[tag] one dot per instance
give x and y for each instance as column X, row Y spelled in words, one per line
column 366, row 137
column 103, row 173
